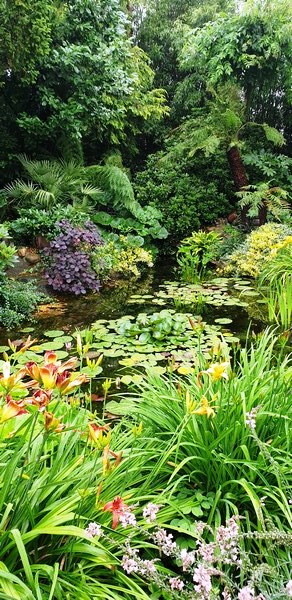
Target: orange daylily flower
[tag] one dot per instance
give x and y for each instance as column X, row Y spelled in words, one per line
column 11, row 409
column 118, row 508
column 51, row 371
column 40, row 398
column 52, row 423
column 12, row 382
column 66, row 382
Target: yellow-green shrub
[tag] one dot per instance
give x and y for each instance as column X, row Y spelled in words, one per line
column 260, row 246
column 120, row 257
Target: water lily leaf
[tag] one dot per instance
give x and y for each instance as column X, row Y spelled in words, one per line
column 61, row 354
column 223, row 321
column 54, row 345
column 231, row 338
column 29, row 356
column 185, row 370
column 27, row 329
column 157, row 370
column 249, row 293
column 126, row 379
column 131, row 361
column 65, row 338
column 54, row 333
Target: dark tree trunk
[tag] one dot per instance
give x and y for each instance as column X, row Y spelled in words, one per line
column 263, row 212
column 239, row 175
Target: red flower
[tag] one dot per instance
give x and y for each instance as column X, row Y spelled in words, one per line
column 118, row 508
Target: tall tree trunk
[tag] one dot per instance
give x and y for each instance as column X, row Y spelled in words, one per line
column 239, row 175
column 263, row 212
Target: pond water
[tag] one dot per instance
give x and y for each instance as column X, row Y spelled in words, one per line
column 115, row 300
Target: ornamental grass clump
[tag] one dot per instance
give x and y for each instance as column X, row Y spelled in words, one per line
column 68, row 259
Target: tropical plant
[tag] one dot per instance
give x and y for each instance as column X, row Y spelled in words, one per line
column 196, row 253
column 50, row 183
column 68, row 258
column 86, row 96
column 275, row 167
column 264, row 201
column 223, row 124
column 188, row 195
column 252, row 48
column 35, row 223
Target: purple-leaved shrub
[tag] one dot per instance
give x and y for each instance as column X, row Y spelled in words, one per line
column 68, row 258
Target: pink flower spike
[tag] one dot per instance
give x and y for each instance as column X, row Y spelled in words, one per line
column 150, row 511
column 246, row 593
column 176, row 583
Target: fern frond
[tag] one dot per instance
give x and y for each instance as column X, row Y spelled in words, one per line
column 273, row 135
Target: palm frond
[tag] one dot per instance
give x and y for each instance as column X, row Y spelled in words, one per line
column 20, row 189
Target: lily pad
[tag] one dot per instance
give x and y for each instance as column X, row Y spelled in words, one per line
column 54, row 333
column 54, row 345
column 185, row 370
column 65, row 338
column 223, row 321
column 29, row 356
column 27, row 329
column 61, row 354
column 249, row 293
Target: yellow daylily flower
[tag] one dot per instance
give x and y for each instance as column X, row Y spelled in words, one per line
column 205, row 408
column 218, row 371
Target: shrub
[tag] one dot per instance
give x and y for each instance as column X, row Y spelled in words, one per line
column 7, row 252
column 18, row 300
column 68, row 259
column 33, row 222
column 121, row 256
column 188, row 194
column 258, row 248
column 231, row 238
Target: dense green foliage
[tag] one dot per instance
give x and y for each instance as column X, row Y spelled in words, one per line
column 130, row 127
column 85, row 86
column 80, row 487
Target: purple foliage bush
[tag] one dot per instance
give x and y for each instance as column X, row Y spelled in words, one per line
column 68, row 258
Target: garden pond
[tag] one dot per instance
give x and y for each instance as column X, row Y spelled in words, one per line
column 153, row 323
